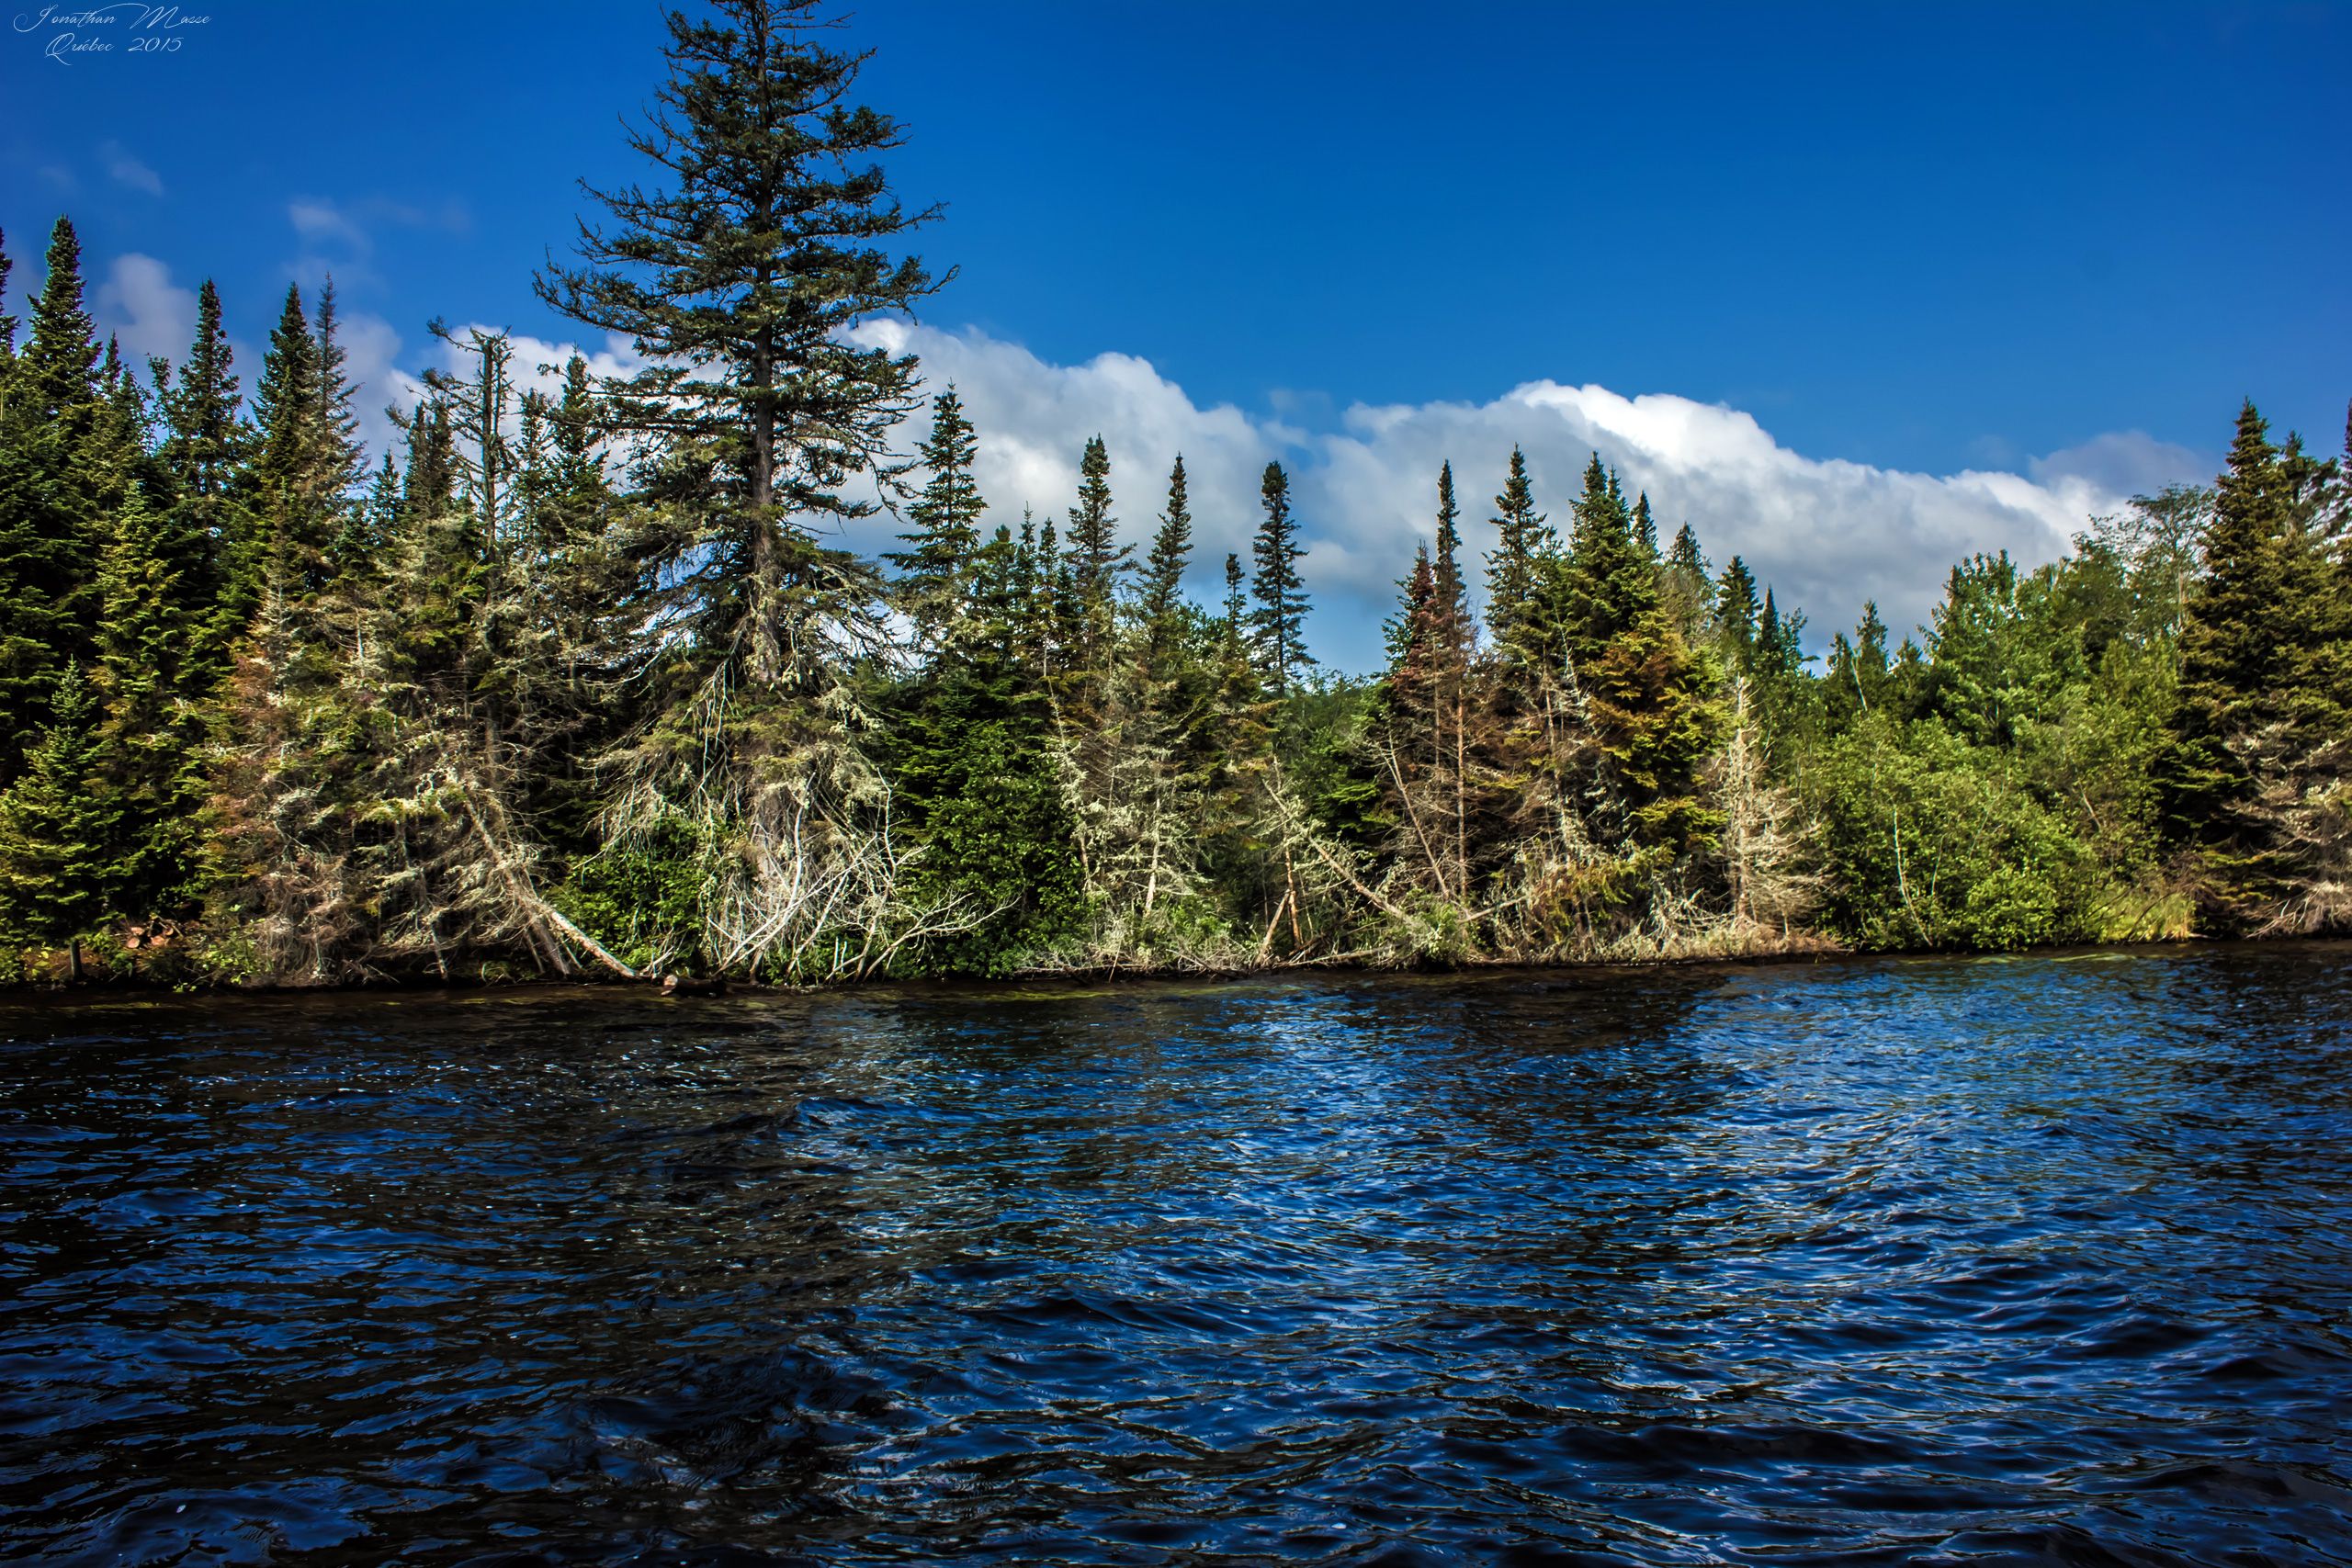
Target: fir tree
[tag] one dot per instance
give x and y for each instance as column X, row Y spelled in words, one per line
column 2266, row 678
column 55, row 830
column 149, row 760
column 291, row 522
column 1096, row 558
column 337, row 458
column 934, row 571
column 1609, row 580
column 57, row 480
column 205, row 445
column 1163, row 581
column 1278, row 622
column 1684, row 581
column 1516, row 567
column 1735, row 610
column 7, row 321
column 738, row 282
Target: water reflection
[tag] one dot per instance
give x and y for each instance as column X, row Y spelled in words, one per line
column 1887, row 1261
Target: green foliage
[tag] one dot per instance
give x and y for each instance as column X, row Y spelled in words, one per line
column 519, row 709
column 57, row 828
column 998, row 848
column 59, row 477
column 1277, row 625
column 644, row 899
column 1931, row 842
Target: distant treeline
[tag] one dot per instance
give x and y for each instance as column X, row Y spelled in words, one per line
column 576, row 683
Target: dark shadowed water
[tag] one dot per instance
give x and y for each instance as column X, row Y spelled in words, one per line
column 2038, row 1260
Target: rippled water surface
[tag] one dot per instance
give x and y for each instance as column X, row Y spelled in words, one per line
column 1910, row 1262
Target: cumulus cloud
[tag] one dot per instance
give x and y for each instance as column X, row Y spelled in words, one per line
column 124, row 169
column 371, row 348
column 144, row 311
column 1825, row 533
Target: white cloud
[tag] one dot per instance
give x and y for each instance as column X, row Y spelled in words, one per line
column 124, row 169
column 370, row 346
column 2127, row 462
column 1034, row 419
column 148, row 314
column 1824, row 534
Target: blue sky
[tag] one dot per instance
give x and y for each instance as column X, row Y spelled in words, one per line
column 2054, row 242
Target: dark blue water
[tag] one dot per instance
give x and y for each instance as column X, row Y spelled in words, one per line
column 2041, row 1260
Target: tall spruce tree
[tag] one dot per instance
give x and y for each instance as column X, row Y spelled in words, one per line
column 1278, row 623
column 1609, row 581
column 286, row 549
column 148, row 765
column 935, row 568
column 204, row 447
column 56, row 830
column 1096, row 558
column 2266, row 679
column 1516, row 567
column 1163, row 580
column 58, row 482
column 738, row 282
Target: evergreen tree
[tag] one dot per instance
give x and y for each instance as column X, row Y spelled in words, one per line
column 1609, row 582
column 1163, row 582
column 149, row 769
column 1735, row 610
column 738, row 283
column 205, row 445
column 1278, row 622
column 7, row 321
column 1454, row 627
column 291, row 520
column 55, row 830
column 1517, row 566
column 1685, row 583
column 933, row 571
column 337, row 457
column 2266, row 679
column 1096, row 558
column 57, row 480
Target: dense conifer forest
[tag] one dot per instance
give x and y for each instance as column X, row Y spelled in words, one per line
column 583, row 683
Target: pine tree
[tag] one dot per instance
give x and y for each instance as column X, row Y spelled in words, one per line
column 935, row 571
column 7, row 321
column 1277, row 625
column 2265, row 679
column 1609, row 582
column 1685, row 583
column 54, row 831
column 337, row 457
column 1163, row 581
column 290, row 526
column 738, row 282
column 762, row 425
column 1735, row 610
column 205, row 445
column 1517, row 566
column 149, row 760
column 57, row 480
column 1453, row 624
column 1096, row 558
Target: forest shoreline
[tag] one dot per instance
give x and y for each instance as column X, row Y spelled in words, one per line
column 1807, row 952
column 582, row 672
